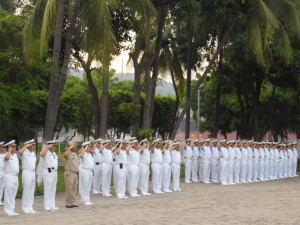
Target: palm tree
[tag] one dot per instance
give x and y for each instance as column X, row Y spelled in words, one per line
column 268, row 23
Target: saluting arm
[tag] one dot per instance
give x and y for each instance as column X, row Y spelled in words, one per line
column 23, row 149
column 67, row 153
column 8, row 154
column 44, row 152
column 82, row 152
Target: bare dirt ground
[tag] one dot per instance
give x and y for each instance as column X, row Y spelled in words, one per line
column 270, row 202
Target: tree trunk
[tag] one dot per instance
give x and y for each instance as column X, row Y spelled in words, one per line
column 207, row 70
column 95, row 102
column 48, row 133
column 104, row 103
column 256, row 97
column 188, row 80
column 218, row 97
column 176, row 102
column 54, row 105
column 155, row 66
column 137, row 84
column 146, row 112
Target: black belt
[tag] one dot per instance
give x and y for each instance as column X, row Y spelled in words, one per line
column 50, row 169
column 97, row 163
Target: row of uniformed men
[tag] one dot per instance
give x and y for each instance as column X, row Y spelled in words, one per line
column 233, row 162
column 128, row 161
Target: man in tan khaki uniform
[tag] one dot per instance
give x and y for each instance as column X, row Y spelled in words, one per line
column 71, row 175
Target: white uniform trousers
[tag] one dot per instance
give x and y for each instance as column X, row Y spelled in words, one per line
column 188, row 170
column 255, row 170
column 144, row 178
column 230, row 172
column 214, row 170
column 97, row 179
column 286, row 168
column 290, row 167
column 28, row 182
column 176, row 176
column 267, row 166
column 249, row 170
column 166, row 177
column 120, row 175
column 206, row 170
column 201, row 174
column 11, row 184
column 156, row 177
column 280, row 169
column 243, row 174
column 276, row 170
column 50, row 181
column 261, row 170
column 86, row 177
column 295, row 162
column 1, row 184
column 223, row 171
column 195, row 165
column 133, row 179
column 237, row 171
column 106, row 177
column 271, row 169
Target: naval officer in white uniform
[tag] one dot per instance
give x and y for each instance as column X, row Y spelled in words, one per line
column 50, row 166
column 28, row 175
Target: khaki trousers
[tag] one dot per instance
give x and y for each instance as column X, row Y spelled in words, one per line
column 71, row 183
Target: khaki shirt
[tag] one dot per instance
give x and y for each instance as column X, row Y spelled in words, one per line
column 72, row 162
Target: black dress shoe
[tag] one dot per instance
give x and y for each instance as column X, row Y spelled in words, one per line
column 69, row 206
column 75, row 206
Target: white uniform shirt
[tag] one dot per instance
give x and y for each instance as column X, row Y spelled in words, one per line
column 121, row 157
column 156, row 156
column 145, row 157
column 188, row 152
column 201, row 152
column 50, row 160
column 87, row 161
column 261, row 154
column 276, row 153
column 215, row 153
column 244, row 154
column 267, row 154
column 224, row 153
column 281, row 154
column 206, row 153
column 272, row 156
column 97, row 156
column 166, row 157
column 290, row 154
column 12, row 165
column 176, row 157
column 107, row 156
column 250, row 153
column 1, row 162
column 231, row 153
column 196, row 153
column 133, row 157
column 295, row 154
column 28, row 160
column 238, row 153
column 255, row 153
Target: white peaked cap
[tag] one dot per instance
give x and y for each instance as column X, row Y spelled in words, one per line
column 106, row 141
column 143, row 141
column 12, row 142
column 132, row 138
column 97, row 140
column 29, row 142
column 51, row 142
column 85, row 143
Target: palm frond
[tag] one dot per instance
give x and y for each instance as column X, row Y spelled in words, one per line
column 32, row 33
column 48, row 25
